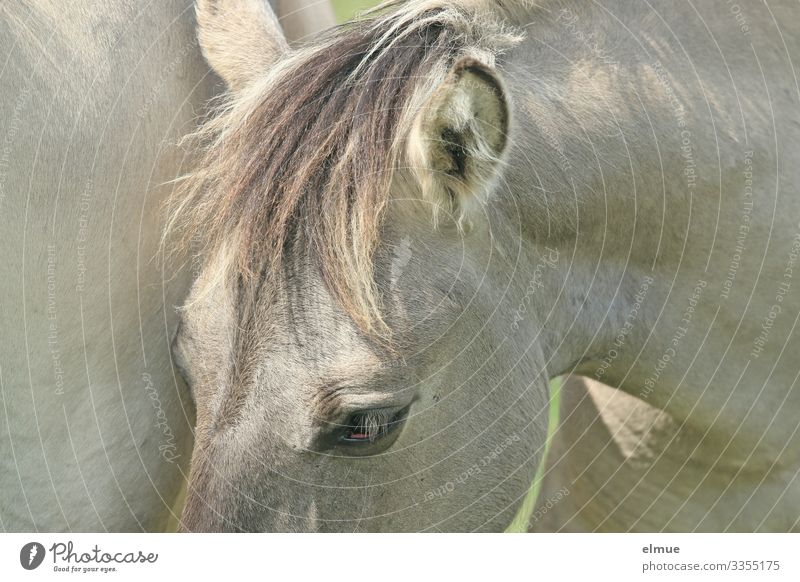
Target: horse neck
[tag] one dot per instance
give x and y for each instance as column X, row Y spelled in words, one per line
column 570, row 170
column 619, row 165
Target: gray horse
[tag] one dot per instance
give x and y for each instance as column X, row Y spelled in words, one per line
column 409, row 226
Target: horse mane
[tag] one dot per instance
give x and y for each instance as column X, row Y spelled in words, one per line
column 306, row 155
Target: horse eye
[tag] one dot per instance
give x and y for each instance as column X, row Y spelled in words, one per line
column 368, row 426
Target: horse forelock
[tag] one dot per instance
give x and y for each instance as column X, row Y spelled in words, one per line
column 307, row 156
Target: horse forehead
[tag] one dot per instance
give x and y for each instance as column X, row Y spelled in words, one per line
column 318, row 346
column 361, row 366
column 338, row 363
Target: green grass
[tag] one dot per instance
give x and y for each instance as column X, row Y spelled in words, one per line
column 346, row 9
column 522, row 520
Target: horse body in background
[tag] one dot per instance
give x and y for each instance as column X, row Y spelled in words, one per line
column 95, row 428
column 357, row 367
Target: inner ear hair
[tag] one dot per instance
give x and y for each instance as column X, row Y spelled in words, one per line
column 460, row 136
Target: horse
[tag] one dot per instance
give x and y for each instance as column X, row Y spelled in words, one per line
column 95, row 426
column 409, row 226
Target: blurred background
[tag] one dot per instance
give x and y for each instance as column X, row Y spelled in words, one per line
column 346, row 9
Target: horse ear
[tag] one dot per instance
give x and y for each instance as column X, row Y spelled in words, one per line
column 459, row 137
column 240, row 39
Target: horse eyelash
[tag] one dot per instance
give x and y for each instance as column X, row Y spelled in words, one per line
column 372, row 423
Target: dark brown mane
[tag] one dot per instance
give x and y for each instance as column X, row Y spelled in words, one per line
column 309, row 157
